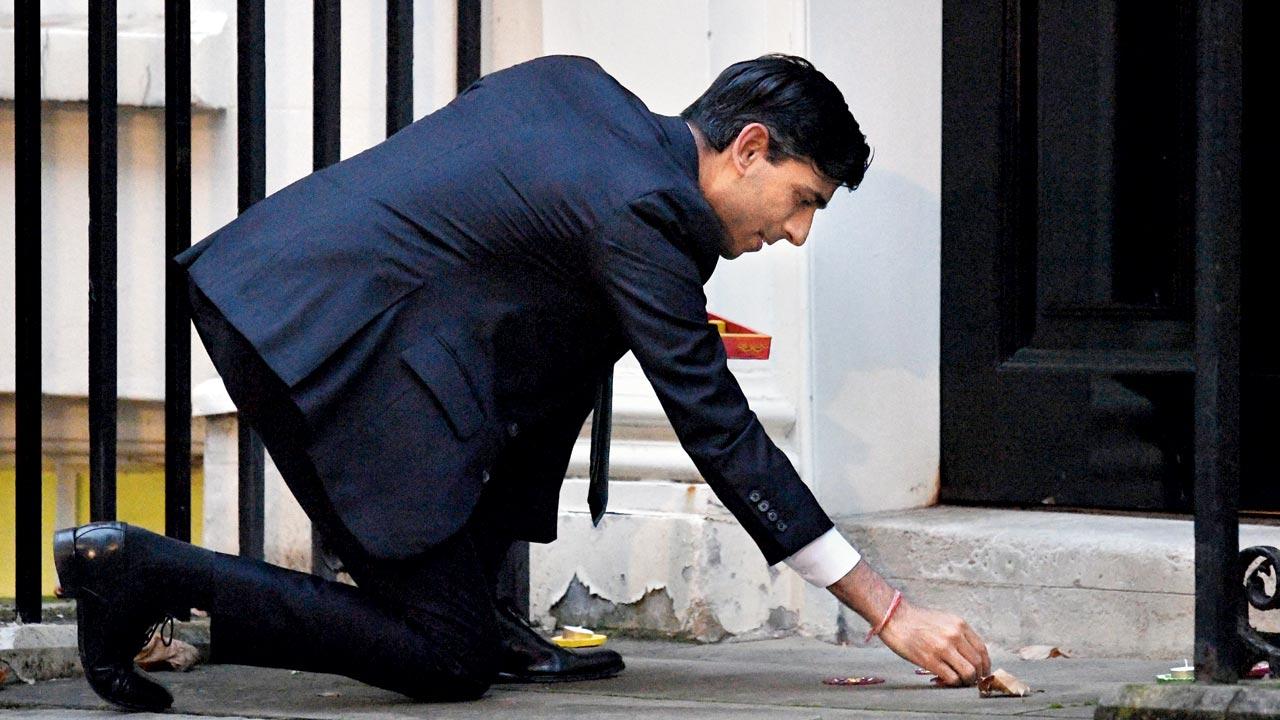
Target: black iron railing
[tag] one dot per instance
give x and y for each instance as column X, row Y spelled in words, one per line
column 177, row 318
column 27, row 308
column 251, row 186
column 102, row 260
column 1218, row 201
column 251, row 154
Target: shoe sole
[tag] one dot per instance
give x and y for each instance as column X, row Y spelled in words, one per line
column 508, row 679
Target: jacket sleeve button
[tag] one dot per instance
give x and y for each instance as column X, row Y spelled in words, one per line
column 754, row 496
column 782, row 527
column 513, row 429
column 763, row 506
column 484, row 477
column 772, row 516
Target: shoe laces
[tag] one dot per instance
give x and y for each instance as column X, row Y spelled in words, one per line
column 160, row 627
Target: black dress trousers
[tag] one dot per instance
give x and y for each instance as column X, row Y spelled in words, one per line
column 442, row 599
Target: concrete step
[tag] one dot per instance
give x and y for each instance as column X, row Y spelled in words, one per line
column 1101, row 585
column 43, row 651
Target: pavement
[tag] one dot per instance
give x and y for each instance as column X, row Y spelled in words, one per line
column 780, row 679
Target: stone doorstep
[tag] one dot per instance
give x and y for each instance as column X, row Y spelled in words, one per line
column 1101, row 585
column 43, row 651
column 1254, row 700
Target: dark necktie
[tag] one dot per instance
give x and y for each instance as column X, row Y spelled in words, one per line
column 598, row 491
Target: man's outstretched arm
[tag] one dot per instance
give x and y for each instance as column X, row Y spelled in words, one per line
column 936, row 641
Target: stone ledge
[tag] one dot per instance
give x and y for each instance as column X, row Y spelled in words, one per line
column 1246, row 701
column 43, row 651
column 64, row 44
column 1102, row 585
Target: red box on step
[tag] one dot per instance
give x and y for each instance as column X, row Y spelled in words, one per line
column 740, row 341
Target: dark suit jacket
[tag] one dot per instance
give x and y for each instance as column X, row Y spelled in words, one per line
column 443, row 305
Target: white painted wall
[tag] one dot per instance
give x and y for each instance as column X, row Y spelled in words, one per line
column 874, row 262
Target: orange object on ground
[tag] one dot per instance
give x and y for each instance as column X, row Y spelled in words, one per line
column 740, row 341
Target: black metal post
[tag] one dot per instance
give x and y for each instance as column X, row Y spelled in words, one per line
column 468, row 43
column 399, row 64
column 513, row 576
column 251, row 128
column 1219, row 105
column 28, row 390
column 326, row 149
column 251, row 470
column 102, row 260
column 177, row 318
column 326, row 84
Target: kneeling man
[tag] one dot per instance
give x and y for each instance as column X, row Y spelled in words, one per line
column 418, row 334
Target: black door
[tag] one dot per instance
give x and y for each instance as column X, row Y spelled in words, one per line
column 1068, row 257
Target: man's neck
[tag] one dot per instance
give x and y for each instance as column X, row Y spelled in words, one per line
column 706, row 158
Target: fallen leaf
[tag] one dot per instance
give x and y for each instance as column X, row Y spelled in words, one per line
column 330, row 694
column 177, row 655
column 1042, row 652
column 1259, row 671
column 10, row 676
column 1001, row 683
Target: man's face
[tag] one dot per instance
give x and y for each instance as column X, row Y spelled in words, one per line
column 760, row 202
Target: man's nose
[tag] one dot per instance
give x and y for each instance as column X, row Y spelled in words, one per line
column 797, row 228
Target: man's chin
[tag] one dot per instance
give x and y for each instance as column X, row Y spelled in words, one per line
column 729, row 253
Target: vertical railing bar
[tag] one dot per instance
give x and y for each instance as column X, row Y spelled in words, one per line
column 102, row 260
column 468, row 43
column 177, row 325
column 399, row 64
column 251, row 124
column 251, row 470
column 325, row 143
column 326, row 84
column 28, row 390
column 1218, row 203
column 513, row 576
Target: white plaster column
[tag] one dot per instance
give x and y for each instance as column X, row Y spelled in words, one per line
column 875, row 262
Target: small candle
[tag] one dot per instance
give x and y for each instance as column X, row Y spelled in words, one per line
column 1186, row 672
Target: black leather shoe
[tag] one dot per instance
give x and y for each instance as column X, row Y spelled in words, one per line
column 527, row 657
column 115, row 613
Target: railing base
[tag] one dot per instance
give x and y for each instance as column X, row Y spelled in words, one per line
column 1256, row 699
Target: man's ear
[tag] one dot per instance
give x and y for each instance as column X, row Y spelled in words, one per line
column 751, row 145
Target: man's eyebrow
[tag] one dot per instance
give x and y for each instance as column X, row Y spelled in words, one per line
column 815, row 196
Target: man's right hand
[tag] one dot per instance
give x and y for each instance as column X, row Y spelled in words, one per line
column 936, row 641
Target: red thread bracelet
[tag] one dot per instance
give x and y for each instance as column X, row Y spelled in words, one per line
column 893, row 605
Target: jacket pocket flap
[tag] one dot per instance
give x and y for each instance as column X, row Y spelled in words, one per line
column 438, row 369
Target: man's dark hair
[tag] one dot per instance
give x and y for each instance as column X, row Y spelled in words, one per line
column 807, row 117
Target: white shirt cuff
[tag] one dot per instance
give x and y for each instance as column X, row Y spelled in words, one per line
column 825, row 560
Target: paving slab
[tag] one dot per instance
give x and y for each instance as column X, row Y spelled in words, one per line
column 759, row 679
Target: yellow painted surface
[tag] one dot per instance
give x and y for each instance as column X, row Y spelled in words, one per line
column 139, row 500
column 7, row 518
